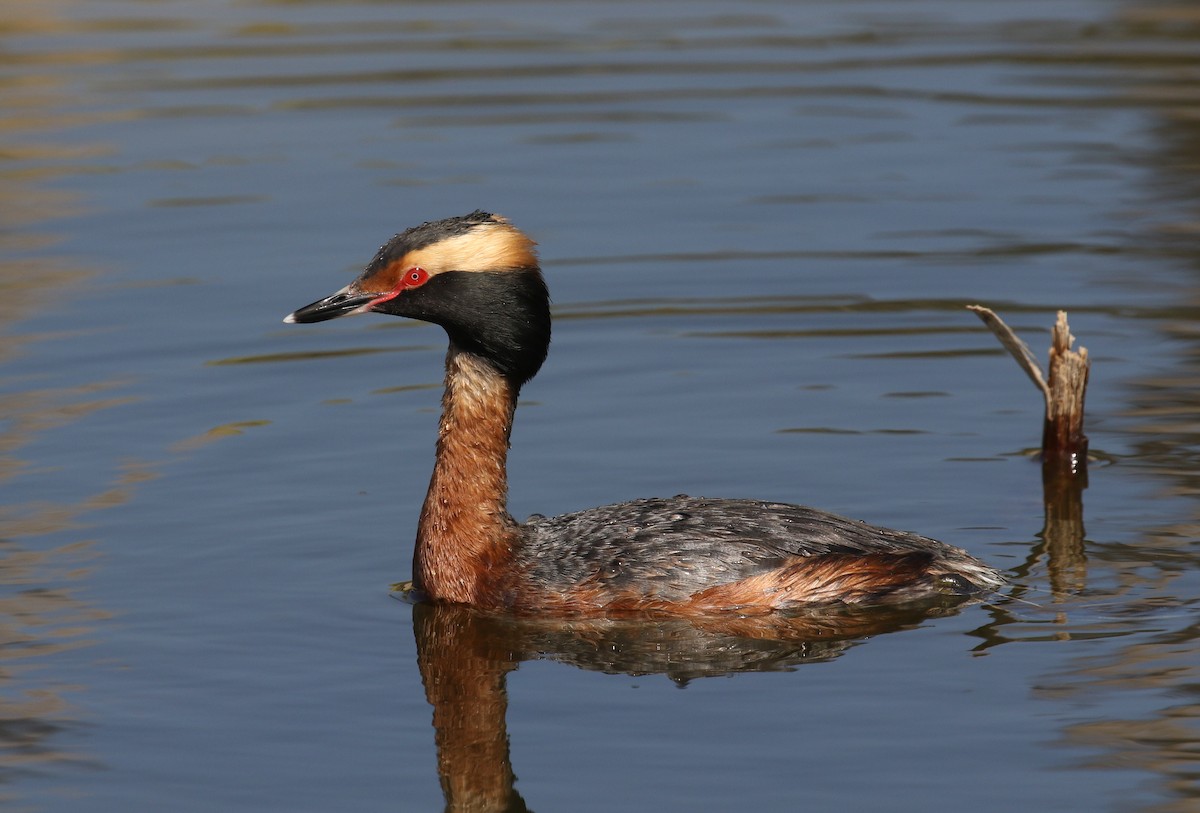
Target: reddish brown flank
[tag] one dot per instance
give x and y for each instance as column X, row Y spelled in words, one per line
column 828, row 579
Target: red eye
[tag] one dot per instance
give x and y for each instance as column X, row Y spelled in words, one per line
column 414, row 277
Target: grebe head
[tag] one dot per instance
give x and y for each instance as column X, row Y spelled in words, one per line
column 477, row 276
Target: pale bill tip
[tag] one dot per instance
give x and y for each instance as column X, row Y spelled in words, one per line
column 290, row 319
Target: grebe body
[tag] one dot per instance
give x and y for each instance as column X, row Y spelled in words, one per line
column 478, row 277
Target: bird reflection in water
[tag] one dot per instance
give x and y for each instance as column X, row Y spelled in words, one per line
column 464, row 656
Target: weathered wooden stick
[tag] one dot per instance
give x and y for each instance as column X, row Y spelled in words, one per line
column 1013, row 344
column 1064, row 389
column 1063, row 430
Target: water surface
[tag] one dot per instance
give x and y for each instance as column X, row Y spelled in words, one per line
column 760, row 223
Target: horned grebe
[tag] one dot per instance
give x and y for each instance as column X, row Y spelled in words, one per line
column 478, row 277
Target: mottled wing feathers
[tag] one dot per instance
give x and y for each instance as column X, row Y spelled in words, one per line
column 693, row 548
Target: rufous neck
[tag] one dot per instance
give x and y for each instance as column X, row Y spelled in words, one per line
column 465, row 534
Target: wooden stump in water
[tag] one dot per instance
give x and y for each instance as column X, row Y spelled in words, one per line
column 1062, row 433
column 1064, row 445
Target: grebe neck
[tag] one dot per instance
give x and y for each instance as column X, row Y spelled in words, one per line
column 465, row 533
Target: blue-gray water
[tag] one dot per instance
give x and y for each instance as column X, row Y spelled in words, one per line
column 760, row 222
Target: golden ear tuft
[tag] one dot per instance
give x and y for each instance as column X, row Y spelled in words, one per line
column 491, row 246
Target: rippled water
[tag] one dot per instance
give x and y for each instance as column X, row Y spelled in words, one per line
column 760, row 222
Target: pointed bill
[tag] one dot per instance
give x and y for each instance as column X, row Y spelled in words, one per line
column 342, row 303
